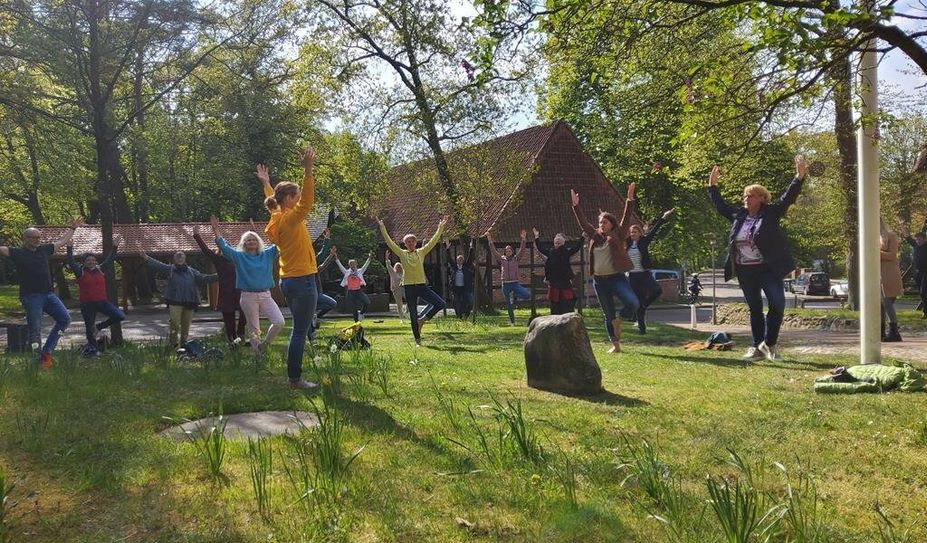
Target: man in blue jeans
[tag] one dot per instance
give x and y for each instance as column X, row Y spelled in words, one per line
column 35, row 287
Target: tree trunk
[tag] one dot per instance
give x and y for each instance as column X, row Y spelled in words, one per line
column 140, row 143
column 846, row 145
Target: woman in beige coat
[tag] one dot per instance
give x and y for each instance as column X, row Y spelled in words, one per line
column 891, row 280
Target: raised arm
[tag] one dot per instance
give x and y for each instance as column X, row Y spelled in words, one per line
column 726, row 210
column 366, row 264
column 578, row 213
column 573, row 247
column 628, row 204
column 66, row 238
column 156, row 265
column 263, row 175
column 492, row 247
column 75, row 267
column 108, row 259
column 323, row 251
column 471, row 253
column 202, row 278
column 307, row 193
column 389, row 269
column 197, row 236
column 341, row 266
column 435, row 238
column 389, row 241
column 226, row 249
column 521, row 247
column 657, row 224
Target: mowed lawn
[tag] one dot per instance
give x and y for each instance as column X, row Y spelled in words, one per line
column 80, row 443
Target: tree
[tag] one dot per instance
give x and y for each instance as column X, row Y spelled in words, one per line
column 435, row 94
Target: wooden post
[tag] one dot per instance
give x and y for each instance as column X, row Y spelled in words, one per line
column 126, row 274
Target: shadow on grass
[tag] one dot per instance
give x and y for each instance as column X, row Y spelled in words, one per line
column 786, row 364
column 604, row 397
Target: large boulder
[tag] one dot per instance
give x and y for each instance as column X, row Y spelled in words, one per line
column 558, row 356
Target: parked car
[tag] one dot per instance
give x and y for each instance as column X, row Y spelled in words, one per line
column 812, row 283
column 839, row 289
column 665, row 274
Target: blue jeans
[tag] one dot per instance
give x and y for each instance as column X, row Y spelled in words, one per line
column 511, row 291
column 35, row 305
column 434, row 304
column 606, row 289
column 323, row 305
column 89, row 310
column 754, row 282
column 357, row 301
column 301, row 297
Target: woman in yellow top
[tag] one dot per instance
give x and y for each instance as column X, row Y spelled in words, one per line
column 289, row 204
column 413, row 278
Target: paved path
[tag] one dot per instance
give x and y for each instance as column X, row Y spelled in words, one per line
column 151, row 323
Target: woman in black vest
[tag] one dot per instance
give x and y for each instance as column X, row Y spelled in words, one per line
column 642, row 281
column 758, row 254
column 558, row 271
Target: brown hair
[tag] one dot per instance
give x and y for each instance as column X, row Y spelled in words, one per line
column 281, row 191
column 610, row 218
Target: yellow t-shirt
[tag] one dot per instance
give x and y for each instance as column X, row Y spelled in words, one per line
column 288, row 231
column 413, row 262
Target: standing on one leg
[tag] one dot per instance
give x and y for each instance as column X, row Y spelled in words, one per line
column 182, row 294
column 289, row 205
column 228, row 302
column 608, row 262
column 461, row 275
column 892, row 286
column 508, row 264
column 326, row 254
column 558, row 271
column 35, row 287
column 254, row 277
column 918, row 245
column 91, row 286
column 413, row 279
column 353, row 282
column 642, row 280
column 395, row 285
column 758, row 254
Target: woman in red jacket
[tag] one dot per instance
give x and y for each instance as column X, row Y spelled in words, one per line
column 91, row 285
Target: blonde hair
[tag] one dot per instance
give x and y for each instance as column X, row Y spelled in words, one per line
column 407, row 237
column 397, row 266
column 281, row 191
column 250, row 234
column 758, row 190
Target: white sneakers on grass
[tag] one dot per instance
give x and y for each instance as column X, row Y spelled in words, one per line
column 769, row 352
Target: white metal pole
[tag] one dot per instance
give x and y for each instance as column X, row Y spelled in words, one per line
column 867, row 145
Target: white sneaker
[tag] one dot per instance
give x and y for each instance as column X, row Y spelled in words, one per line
column 753, row 353
column 770, row 351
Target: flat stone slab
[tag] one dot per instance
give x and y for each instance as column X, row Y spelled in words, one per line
column 245, row 425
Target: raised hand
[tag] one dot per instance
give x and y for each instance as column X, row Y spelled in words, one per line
column 713, row 176
column 326, row 233
column 535, row 232
column 632, row 188
column 668, row 212
column 251, row 222
column 574, row 197
column 307, row 159
column 488, row 236
column 523, row 234
column 801, row 166
column 379, row 221
column 444, row 220
column 334, row 250
column 263, row 174
column 214, row 222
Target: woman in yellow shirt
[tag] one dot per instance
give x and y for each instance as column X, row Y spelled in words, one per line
column 413, row 278
column 289, row 204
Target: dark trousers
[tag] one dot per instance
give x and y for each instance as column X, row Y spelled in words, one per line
column 89, row 310
column 754, row 282
column 357, row 301
column 922, row 289
column 427, row 295
column 463, row 301
column 647, row 290
column 233, row 330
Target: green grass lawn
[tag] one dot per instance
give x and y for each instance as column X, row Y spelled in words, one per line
column 80, row 444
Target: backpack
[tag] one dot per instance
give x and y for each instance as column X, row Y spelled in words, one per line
column 195, row 349
column 351, row 337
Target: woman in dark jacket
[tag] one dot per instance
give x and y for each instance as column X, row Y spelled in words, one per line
column 758, row 254
column 558, row 272
column 228, row 301
column 608, row 262
column 642, row 281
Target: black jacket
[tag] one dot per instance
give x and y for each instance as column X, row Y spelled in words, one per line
column 769, row 238
column 918, row 254
column 643, row 244
column 557, row 268
column 469, row 271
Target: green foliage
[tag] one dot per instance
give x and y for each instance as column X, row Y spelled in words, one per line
column 261, row 464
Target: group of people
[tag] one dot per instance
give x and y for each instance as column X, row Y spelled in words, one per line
column 618, row 262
